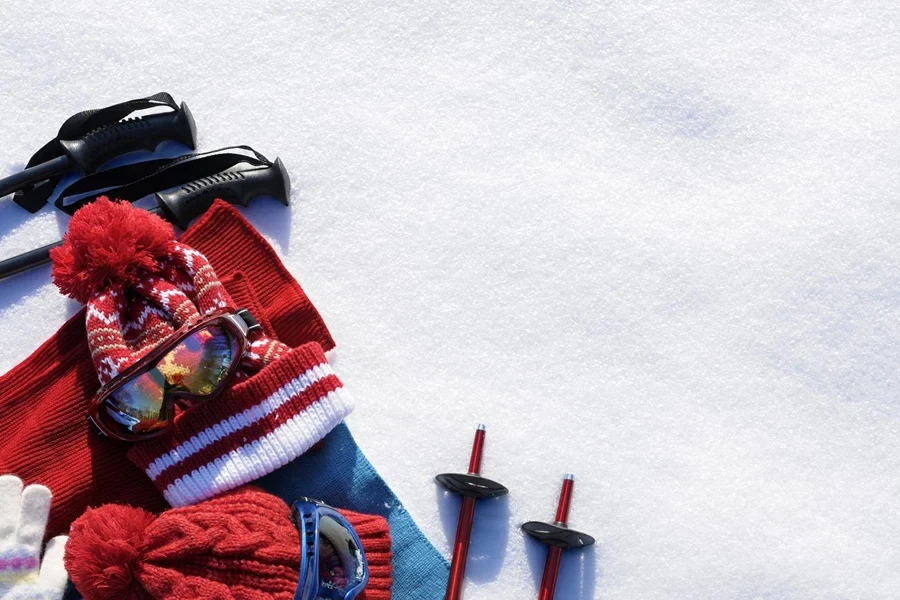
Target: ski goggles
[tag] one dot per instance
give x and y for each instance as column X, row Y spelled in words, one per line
column 192, row 366
column 332, row 561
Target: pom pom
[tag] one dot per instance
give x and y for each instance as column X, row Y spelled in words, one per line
column 109, row 244
column 104, row 547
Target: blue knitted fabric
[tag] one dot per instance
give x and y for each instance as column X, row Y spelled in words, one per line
column 342, row 476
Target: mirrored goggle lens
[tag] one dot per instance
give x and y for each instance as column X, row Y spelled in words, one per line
column 341, row 568
column 200, row 362
column 197, row 366
column 138, row 407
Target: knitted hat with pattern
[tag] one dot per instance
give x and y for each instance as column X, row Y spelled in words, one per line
column 239, row 546
column 140, row 286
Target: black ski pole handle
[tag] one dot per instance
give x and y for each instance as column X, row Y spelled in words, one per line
column 88, row 153
column 238, row 185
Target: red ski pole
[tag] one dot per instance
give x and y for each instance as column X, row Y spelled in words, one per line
column 558, row 537
column 471, row 486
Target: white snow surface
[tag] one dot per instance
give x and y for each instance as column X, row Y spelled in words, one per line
column 654, row 244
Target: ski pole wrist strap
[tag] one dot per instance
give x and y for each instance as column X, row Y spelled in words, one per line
column 134, row 181
column 34, row 198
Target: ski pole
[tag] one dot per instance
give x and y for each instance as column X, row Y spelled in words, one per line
column 180, row 206
column 90, row 151
column 558, row 537
column 472, row 487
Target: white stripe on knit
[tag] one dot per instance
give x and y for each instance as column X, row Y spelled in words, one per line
column 243, row 419
column 189, row 254
column 95, row 313
column 263, row 455
column 146, row 311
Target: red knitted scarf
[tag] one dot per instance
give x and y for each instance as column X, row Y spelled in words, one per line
column 45, row 435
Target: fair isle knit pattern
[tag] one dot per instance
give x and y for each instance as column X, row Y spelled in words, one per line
column 259, row 353
column 141, row 286
column 256, row 426
column 125, row 324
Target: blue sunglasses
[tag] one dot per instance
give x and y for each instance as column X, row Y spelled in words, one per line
column 332, row 561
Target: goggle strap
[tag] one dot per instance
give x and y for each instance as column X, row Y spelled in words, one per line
column 308, row 515
column 248, row 318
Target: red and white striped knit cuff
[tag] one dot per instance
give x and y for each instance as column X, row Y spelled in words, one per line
column 255, row 427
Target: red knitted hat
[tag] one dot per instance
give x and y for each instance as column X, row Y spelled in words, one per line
column 239, row 546
column 256, row 426
column 140, row 286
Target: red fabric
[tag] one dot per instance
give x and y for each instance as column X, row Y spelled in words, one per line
column 109, row 244
column 242, row 545
column 293, row 317
column 254, row 427
column 374, row 533
column 143, row 454
column 46, row 437
column 138, row 283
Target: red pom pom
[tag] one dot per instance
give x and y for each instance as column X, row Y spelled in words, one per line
column 109, row 243
column 104, row 547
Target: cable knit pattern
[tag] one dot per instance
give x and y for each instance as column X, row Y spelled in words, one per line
column 375, row 536
column 239, row 546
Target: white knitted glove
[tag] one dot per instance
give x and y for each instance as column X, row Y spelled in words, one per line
column 23, row 518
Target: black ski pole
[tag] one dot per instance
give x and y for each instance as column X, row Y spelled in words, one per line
column 90, row 151
column 180, row 206
column 27, row 261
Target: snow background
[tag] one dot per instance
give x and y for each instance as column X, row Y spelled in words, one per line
column 653, row 244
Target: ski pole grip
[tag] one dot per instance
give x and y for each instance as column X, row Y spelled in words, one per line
column 88, row 153
column 237, row 185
